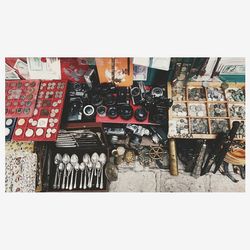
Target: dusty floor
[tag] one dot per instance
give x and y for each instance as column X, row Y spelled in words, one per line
column 135, row 178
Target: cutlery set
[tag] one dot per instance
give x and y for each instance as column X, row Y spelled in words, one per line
column 90, row 168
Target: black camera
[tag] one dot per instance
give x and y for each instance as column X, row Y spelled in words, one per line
column 75, row 109
column 122, row 96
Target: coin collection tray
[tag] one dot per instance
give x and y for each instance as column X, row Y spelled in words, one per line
column 44, row 124
column 20, row 98
column 203, row 109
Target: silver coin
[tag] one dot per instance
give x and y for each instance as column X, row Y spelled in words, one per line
column 29, row 132
column 21, row 122
column 39, row 132
column 18, row 132
column 8, row 122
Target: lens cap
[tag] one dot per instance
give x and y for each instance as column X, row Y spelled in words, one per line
column 126, row 112
column 141, row 114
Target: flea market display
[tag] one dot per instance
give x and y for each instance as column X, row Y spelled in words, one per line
column 81, row 120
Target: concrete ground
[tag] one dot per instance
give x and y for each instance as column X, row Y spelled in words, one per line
column 136, row 178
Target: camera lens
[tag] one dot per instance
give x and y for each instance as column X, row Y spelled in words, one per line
column 88, row 110
column 126, row 112
column 112, row 112
column 141, row 114
column 135, row 91
column 157, row 92
column 110, row 100
column 96, row 100
column 101, row 110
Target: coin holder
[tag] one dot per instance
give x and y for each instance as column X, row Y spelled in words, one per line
column 237, row 111
column 21, row 96
column 217, row 110
column 199, row 126
column 222, row 101
column 219, row 126
column 195, row 110
column 9, row 128
column 44, row 114
column 179, row 109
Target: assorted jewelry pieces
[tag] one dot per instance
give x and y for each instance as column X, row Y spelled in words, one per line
column 178, row 91
column 75, row 172
column 45, row 122
column 197, row 109
column 218, row 126
column 196, row 94
column 199, row 126
column 9, row 128
column 237, row 111
column 20, row 171
column 217, row 110
column 215, row 94
column 235, row 95
column 179, row 109
column 20, row 98
column 178, row 126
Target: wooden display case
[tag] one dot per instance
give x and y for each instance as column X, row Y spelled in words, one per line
column 184, row 100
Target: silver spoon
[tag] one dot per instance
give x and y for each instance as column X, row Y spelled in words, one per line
column 98, row 168
column 76, row 167
column 86, row 159
column 82, row 167
column 65, row 160
column 73, row 161
column 61, row 168
column 90, row 174
column 103, row 160
column 94, row 160
column 69, row 168
column 57, row 160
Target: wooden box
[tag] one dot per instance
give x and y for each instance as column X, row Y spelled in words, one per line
column 183, row 99
column 50, row 168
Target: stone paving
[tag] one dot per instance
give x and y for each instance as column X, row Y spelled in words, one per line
column 138, row 179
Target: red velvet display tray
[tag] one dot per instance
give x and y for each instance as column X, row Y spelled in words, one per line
column 20, row 96
column 44, row 124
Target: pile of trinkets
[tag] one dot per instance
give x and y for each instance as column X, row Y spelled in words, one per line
column 215, row 94
column 209, row 108
column 196, row 94
column 217, row 110
column 197, row 109
column 199, row 126
column 218, row 126
column 179, row 109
